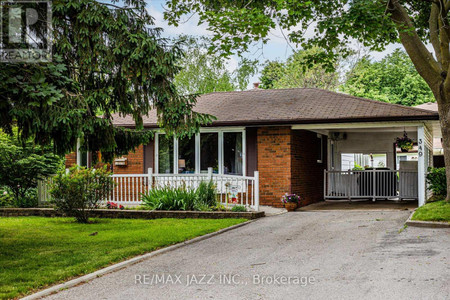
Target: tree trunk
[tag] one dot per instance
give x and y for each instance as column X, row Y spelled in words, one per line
column 444, row 119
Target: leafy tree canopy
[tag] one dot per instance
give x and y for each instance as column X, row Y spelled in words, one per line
column 393, row 79
column 336, row 24
column 203, row 72
column 108, row 58
column 296, row 73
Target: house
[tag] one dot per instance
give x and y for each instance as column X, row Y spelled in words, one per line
column 438, row 151
column 301, row 141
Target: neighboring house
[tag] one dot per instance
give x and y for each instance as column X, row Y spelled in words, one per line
column 299, row 140
column 438, row 151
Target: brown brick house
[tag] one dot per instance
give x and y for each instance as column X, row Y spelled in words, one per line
column 300, row 141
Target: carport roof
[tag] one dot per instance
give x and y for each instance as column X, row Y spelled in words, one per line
column 291, row 106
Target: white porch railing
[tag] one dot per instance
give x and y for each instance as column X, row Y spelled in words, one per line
column 374, row 184
column 128, row 190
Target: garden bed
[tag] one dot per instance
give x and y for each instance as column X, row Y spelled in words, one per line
column 135, row 214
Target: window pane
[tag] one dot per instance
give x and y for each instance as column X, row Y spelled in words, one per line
column 165, row 155
column 232, row 153
column 186, row 155
column 209, row 157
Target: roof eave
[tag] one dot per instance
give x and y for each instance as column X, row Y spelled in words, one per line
column 305, row 121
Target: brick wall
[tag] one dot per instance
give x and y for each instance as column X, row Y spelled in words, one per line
column 135, row 163
column 287, row 163
column 274, row 164
column 307, row 173
column 71, row 159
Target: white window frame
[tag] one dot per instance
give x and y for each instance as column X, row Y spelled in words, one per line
column 220, row 132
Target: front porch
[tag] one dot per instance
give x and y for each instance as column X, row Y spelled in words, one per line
column 363, row 162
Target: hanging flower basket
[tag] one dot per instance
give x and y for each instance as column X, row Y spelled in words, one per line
column 404, row 143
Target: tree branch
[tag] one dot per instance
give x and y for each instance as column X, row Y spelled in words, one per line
column 422, row 59
column 434, row 31
column 443, row 37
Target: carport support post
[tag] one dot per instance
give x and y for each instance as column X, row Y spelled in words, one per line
column 421, row 165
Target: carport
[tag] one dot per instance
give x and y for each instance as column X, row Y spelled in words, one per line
column 365, row 164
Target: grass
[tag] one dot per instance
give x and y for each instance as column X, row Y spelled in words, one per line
column 434, row 211
column 36, row 252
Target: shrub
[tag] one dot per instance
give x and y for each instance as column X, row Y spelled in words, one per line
column 206, row 193
column 79, row 191
column 437, row 181
column 203, row 198
column 239, row 208
column 28, row 199
column 219, row 207
column 169, row 198
column 22, row 165
column 6, row 197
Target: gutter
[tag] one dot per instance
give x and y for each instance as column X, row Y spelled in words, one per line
column 275, row 122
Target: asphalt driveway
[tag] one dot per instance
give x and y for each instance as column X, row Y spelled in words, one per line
column 299, row 255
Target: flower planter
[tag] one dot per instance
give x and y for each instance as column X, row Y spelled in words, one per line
column 404, row 150
column 290, row 206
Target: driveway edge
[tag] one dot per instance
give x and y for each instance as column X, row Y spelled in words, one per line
column 129, row 262
column 428, row 224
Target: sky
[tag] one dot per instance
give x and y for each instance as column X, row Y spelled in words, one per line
column 276, row 49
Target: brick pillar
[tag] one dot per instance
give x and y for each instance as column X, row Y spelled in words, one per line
column 274, row 164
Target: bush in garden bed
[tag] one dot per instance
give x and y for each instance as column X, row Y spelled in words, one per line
column 78, row 192
column 437, row 182
column 203, row 198
column 239, row 208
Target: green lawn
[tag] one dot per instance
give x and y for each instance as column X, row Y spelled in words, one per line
column 36, row 252
column 434, row 211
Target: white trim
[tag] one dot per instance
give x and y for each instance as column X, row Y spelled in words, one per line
column 224, row 129
column 175, row 155
column 356, row 125
column 78, row 152
column 220, row 150
column 79, row 155
column 244, row 153
column 421, row 164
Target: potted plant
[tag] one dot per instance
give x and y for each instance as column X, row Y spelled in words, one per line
column 290, row 201
column 404, row 143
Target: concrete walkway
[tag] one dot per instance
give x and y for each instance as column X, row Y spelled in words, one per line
column 322, row 255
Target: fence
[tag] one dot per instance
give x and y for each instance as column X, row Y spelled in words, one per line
column 235, row 189
column 375, row 184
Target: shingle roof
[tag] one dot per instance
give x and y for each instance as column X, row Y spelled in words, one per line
column 292, row 106
column 428, row 106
